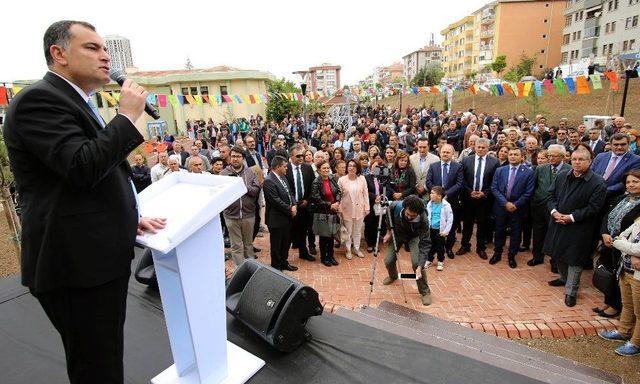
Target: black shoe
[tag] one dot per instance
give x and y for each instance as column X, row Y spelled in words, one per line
column 308, row 257
column 554, row 268
column 256, row 250
column 313, row 251
column 556, row 283
column 326, row 263
column 334, row 261
column 495, row 259
column 336, row 246
column 569, row 301
column 535, row 261
column 512, row 263
column 607, row 315
column 462, row 251
column 483, row 255
column 279, row 268
column 523, row 249
column 450, row 254
column 288, row 267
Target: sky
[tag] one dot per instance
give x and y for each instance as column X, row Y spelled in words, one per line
column 275, row 36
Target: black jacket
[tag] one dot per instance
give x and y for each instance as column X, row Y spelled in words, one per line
column 403, row 180
column 468, row 165
column 406, row 230
column 319, row 203
column 278, row 202
column 141, row 177
column 307, row 179
column 79, row 214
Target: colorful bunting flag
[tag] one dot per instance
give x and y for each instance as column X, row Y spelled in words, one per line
column 173, row 99
column 613, row 78
column 189, row 99
column 547, row 85
column 596, row 81
column 571, row 85
column 151, row 98
column 583, row 85
column 507, row 88
column 219, row 99
column 527, row 88
column 207, row 100
column 494, row 89
column 238, row 100
column 162, row 100
column 520, row 89
column 15, row 90
column 473, row 89
column 500, row 89
column 198, row 99
column 559, row 85
column 538, row 87
column 181, row 99
column 252, row 99
column 4, row 99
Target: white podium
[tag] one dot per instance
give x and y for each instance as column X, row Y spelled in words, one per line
column 189, row 260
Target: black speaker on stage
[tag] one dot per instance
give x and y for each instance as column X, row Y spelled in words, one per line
column 273, row 305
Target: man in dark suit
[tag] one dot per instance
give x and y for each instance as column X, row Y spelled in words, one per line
column 79, row 212
column 278, row 145
column 478, row 173
column 300, row 176
column 451, row 172
column 595, row 143
column 512, row 188
column 612, row 166
column 544, row 176
column 280, row 208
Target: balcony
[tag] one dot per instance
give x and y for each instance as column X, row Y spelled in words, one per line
column 486, row 20
column 486, row 47
column 486, row 34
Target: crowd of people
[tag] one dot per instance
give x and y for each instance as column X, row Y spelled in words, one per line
column 560, row 191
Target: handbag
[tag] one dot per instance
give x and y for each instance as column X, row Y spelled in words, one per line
column 603, row 279
column 324, row 224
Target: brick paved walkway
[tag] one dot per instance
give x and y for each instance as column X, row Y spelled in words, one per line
column 514, row 303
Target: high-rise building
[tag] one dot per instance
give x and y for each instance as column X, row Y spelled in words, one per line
column 420, row 58
column 504, row 27
column 600, row 30
column 119, row 48
column 323, row 78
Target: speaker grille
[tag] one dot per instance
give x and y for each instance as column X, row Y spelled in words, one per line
column 262, row 299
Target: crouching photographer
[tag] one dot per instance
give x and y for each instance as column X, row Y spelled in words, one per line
column 411, row 227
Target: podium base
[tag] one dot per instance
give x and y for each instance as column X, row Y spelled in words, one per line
column 241, row 366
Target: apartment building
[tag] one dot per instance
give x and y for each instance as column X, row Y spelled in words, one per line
column 420, row 58
column 323, row 78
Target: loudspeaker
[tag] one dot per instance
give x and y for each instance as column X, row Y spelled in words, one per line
column 273, row 305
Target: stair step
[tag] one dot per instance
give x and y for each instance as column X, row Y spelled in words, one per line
column 532, row 368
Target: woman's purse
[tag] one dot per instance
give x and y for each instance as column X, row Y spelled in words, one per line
column 325, row 225
column 603, row 279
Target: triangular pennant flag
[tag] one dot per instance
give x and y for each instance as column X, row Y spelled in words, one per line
column 434, row 90
column 237, row 99
column 162, row 101
column 190, row 99
column 538, row 87
column 596, row 81
column 583, row 85
column 613, row 79
column 197, row 99
column 116, row 95
column 559, row 85
column 219, row 99
column 151, row 98
column 173, row 99
column 110, row 100
column 499, row 89
column 252, row 99
column 4, row 99
column 485, row 88
column 206, row 99
column 547, row 85
column 15, row 90
column 570, row 84
column 527, row 88
column 227, row 98
column 520, row 87
column 245, row 99
column 474, row 89
column 494, row 89
column 414, row 90
column 181, row 99
column 507, row 88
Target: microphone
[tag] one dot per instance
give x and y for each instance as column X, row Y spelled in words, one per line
column 119, row 77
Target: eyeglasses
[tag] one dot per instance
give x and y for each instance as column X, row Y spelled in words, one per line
column 299, row 156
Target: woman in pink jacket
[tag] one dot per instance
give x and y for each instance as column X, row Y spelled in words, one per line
column 354, row 205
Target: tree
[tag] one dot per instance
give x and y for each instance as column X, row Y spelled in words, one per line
column 428, row 75
column 499, row 64
column 188, row 64
column 280, row 106
column 523, row 68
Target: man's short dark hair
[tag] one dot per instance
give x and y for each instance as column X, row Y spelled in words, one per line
column 423, row 138
column 414, row 204
column 216, row 159
column 278, row 161
column 238, row 149
column 58, row 34
column 620, row 136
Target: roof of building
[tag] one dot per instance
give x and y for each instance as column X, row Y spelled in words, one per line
column 221, row 72
column 426, row 48
column 395, row 67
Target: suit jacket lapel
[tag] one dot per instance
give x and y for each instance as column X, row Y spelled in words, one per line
column 68, row 90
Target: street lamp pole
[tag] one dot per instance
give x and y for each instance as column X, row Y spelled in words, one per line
column 630, row 73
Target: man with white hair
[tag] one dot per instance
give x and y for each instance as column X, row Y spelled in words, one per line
column 161, row 168
column 544, row 176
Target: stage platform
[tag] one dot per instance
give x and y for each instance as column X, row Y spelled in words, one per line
column 384, row 345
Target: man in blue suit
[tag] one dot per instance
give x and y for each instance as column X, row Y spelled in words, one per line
column 451, row 172
column 612, row 166
column 512, row 188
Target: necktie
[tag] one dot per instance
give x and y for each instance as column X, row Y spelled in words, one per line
column 593, row 145
column 512, row 179
column 284, row 184
column 96, row 113
column 610, row 167
column 377, row 184
column 554, row 171
column 478, row 182
column 298, row 184
column 445, row 173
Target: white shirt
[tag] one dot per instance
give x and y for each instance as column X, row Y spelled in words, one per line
column 294, row 170
column 475, row 170
column 157, row 171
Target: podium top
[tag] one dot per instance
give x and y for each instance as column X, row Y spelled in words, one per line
column 188, row 201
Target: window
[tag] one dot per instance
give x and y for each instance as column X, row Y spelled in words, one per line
column 184, row 90
column 632, row 44
column 565, row 39
column 613, row 26
column 193, row 90
column 204, row 90
column 223, row 90
column 631, row 22
column 606, row 28
column 613, row 5
column 625, row 45
column 565, row 56
column 633, row 2
column 567, row 21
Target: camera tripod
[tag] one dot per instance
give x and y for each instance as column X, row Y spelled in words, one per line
column 384, row 214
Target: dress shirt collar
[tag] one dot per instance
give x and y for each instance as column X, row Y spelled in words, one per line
column 84, row 96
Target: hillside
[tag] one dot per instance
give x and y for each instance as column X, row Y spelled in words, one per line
column 554, row 107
